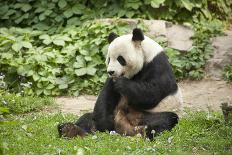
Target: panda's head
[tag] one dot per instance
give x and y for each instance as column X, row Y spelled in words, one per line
column 127, row 54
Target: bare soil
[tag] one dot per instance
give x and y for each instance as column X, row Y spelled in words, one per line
column 207, row 94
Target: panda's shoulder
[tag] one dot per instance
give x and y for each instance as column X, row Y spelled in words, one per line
column 151, row 49
column 156, row 67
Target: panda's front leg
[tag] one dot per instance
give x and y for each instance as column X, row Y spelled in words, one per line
column 140, row 94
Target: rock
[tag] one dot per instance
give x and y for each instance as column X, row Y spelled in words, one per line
column 222, row 56
column 131, row 22
column 156, row 28
column 179, row 37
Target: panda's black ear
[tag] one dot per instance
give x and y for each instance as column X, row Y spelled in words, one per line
column 137, row 35
column 112, row 36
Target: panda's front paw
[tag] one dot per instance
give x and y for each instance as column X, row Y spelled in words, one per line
column 120, row 84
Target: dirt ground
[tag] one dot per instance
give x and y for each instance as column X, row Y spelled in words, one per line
column 205, row 95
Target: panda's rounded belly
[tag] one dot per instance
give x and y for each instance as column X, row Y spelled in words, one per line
column 172, row 103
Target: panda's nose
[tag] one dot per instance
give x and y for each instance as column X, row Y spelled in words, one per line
column 110, row 72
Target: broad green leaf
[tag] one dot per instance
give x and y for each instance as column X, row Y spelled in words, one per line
column 206, row 13
column 91, row 70
column 47, row 92
column 121, row 13
column 59, row 42
column 50, row 86
column 63, row 86
column 130, row 14
column 73, row 21
column 46, row 42
column 68, row 13
column 44, row 36
column 79, row 63
column 62, row 3
column 42, row 16
column 64, row 37
column 4, row 9
column 17, row 46
column 58, row 18
column 36, row 77
column 7, row 15
column 88, row 58
column 156, row 3
column 39, row 91
column 60, row 60
column 48, row 12
column 20, row 19
column 84, row 52
column 26, row 44
column 40, row 85
column 187, row 4
column 22, row 70
column 46, row 39
column 81, row 71
column 76, row 93
column 77, row 9
column 40, row 9
column 30, row 73
column 26, row 7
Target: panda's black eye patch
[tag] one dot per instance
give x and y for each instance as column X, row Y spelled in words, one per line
column 121, row 60
column 108, row 60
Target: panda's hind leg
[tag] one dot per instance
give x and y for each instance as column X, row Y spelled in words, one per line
column 86, row 122
column 82, row 127
column 159, row 122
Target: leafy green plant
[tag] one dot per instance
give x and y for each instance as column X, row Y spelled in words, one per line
column 72, row 59
column 46, row 14
column 228, row 73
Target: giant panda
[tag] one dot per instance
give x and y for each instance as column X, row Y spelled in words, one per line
column 140, row 77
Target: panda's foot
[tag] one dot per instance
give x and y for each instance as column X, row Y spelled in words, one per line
column 70, row 130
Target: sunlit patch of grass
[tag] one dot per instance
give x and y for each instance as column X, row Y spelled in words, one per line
column 23, row 104
column 37, row 133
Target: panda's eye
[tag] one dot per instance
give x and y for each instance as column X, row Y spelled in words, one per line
column 108, row 60
column 121, row 60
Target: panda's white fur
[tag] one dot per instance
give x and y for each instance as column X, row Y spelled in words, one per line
column 173, row 102
column 136, row 56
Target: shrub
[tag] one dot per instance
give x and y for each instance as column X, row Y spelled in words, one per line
column 46, row 14
column 34, row 61
column 228, row 73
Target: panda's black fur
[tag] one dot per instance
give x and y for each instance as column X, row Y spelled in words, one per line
column 142, row 92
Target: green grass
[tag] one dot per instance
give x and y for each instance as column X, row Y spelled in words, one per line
column 197, row 133
column 25, row 131
column 17, row 103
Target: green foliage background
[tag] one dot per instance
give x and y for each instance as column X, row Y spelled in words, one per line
column 43, row 14
column 56, row 47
